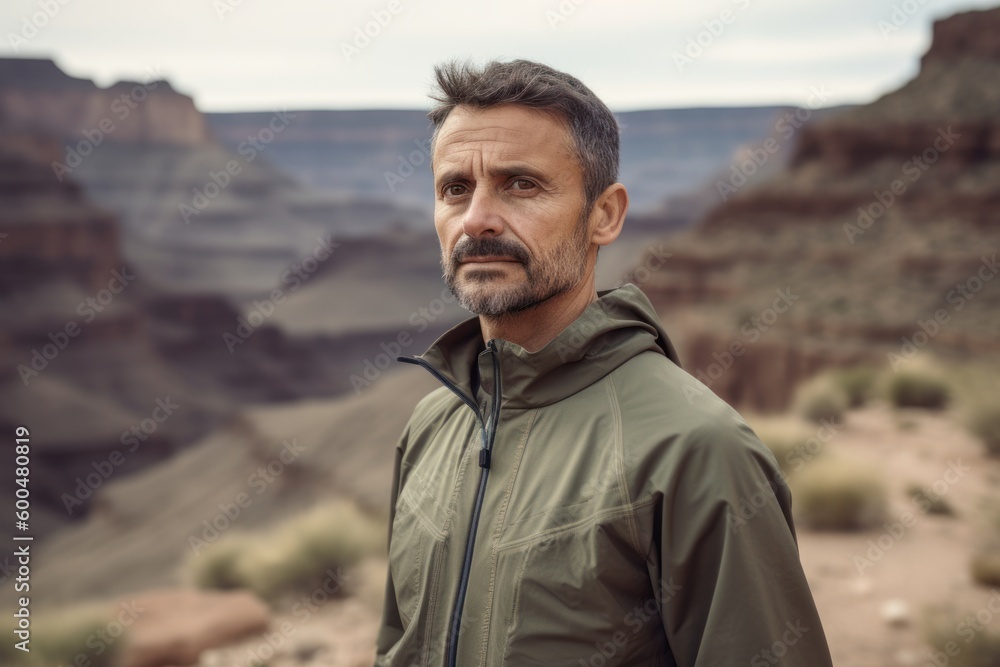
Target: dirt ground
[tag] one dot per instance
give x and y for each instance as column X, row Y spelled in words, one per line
column 873, row 588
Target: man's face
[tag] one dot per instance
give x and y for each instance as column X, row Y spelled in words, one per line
column 509, row 208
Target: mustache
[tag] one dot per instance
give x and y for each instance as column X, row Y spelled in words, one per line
column 487, row 247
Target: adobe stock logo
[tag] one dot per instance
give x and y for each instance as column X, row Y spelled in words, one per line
column 119, row 110
column 31, row 25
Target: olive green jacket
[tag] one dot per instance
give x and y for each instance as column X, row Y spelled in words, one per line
column 626, row 515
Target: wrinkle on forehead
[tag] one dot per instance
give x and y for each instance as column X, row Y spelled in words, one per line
column 520, row 138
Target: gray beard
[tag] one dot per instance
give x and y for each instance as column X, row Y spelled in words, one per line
column 544, row 279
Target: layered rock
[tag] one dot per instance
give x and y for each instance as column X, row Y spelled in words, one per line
column 78, row 241
column 35, row 93
column 79, row 366
column 110, row 373
column 384, row 154
column 195, row 216
column 881, row 234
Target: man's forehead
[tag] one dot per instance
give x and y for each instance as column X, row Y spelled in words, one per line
column 505, row 132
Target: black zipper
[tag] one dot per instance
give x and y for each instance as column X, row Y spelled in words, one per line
column 488, row 430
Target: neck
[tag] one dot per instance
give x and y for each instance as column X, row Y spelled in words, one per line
column 533, row 328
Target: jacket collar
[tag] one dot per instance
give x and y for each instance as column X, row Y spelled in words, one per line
column 620, row 324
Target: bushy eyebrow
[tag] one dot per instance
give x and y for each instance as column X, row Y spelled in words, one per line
column 504, row 171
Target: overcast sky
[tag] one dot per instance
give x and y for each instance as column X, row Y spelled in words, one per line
column 297, row 54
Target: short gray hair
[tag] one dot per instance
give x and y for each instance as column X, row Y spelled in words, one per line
column 537, row 86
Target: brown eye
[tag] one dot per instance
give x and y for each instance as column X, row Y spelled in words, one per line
column 522, row 184
column 454, row 190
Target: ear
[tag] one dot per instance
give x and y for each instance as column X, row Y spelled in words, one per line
column 608, row 215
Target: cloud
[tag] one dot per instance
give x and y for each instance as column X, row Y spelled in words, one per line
column 264, row 54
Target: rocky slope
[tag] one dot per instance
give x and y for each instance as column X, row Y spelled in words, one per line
column 79, row 365
column 315, row 450
column 878, row 240
column 112, row 374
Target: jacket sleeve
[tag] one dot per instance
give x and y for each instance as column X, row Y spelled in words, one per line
column 391, row 626
column 733, row 588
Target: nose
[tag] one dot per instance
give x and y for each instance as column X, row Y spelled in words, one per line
column 484, row 216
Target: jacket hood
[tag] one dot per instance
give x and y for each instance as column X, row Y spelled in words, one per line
column 620, row 324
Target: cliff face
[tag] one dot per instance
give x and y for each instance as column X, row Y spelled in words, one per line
column 968, row 35
column 91, row 350
column 878, row 238
column 34, row 93
column 79, row 365
column 195, row 216
column 78, row 242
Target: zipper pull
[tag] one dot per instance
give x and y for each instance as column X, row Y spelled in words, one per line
column 484, row 458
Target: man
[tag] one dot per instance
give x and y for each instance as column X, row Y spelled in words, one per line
column 570, row 496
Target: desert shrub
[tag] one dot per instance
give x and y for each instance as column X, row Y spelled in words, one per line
column 983, row 422
column 954, row 645
column 59, row 637
column 839, row 494
column 312, row 547
column 919, row 386
column 218, row 565
column 820, row 399
column 792, row 441
column 857, row 383
column 928, row 501
column 985, row 566
column 297, row 557
column 985, row 563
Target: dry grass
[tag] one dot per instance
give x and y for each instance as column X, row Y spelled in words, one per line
column 919, row 384
column 928, row 501
column 66, row 636
column 858, row 384
column 985, row 566
column 983, row 421
column 793, row 441
column 956, row 642
column 294, row 558
column 839, row 494
column 821, row 398
column 219, row 566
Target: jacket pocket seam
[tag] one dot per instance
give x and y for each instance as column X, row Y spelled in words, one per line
column 407, row 612
column 513, row 609
column 421, row 516
column 551, row 510
column 616, row 413
column 432, row 600
column 611, row 512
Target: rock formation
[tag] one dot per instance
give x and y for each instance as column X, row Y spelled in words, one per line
column 35, row 93
column 110, row 372
column 877, row 242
